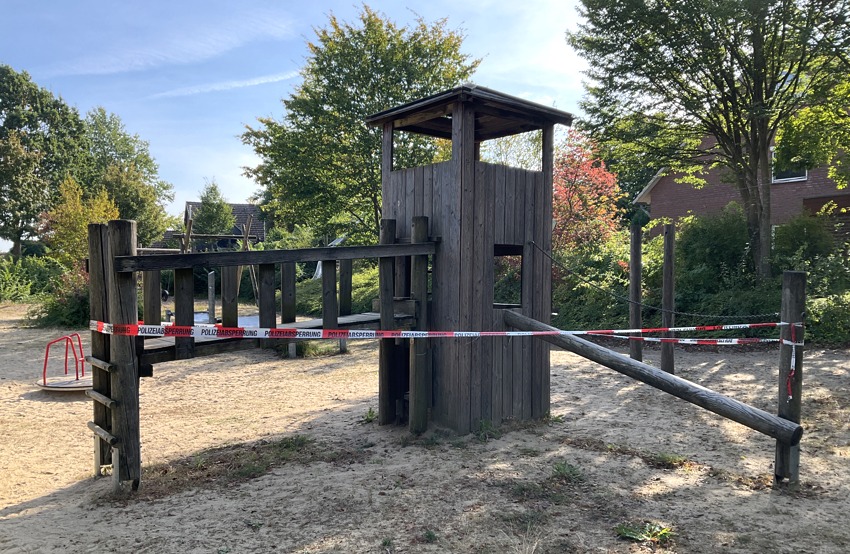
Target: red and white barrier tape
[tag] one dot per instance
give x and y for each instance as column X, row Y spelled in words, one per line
column 201, row 331
column 678, row 329
column 702, row 342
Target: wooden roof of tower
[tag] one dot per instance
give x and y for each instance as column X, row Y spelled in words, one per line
column 496, row 114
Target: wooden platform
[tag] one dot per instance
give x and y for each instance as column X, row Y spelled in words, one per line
column 162, row 349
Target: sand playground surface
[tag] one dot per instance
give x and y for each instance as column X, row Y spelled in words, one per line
column 250, row 452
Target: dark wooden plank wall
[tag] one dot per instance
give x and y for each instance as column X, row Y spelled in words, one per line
column 492, row 379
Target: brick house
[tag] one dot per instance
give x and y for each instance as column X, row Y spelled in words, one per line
column 792, row 193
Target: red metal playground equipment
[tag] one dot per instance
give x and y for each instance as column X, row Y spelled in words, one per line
column 79, row 382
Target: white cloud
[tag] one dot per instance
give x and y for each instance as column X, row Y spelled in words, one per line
column 186, row 38
column 226, row 85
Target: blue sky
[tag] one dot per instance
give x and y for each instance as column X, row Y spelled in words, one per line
column 187, row 76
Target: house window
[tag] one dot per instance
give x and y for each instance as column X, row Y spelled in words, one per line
column 788, row 175
column 507, row 276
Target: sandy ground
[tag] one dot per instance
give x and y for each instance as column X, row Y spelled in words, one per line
column 443, row 493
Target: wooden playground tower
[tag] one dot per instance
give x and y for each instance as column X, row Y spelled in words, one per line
column 463, row 213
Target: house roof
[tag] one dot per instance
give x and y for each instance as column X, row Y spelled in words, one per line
column 241, row 213
column 645, row 196
column 496, row 114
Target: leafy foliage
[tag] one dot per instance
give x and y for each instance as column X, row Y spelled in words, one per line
column 121, row 164
column 14, row 282
column 819, row 135
column 68, row 306
column 585, row 195
column 710, row 82
column 320, row 164
column 42, row 140
column 65, row 228
column 214, row 215
column 828, row 320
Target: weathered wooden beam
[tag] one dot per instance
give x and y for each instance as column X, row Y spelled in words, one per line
column 635, row 283
column 123, row 309
column 787, row 461
column 184, row 310
column 256, row 257
column 100, row 364
column 386, row 285
column 105, row 436
column 668, row 297
column 100, row 264
column 420, row 376
column 780, row 429
column 101, row 399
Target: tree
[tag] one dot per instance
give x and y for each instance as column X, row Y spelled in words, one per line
column 65, row 227
column 23, row 191
column 214, row 215
column 819, row 135
column 585, row 195
column 717, row 77
column 122, row 165
column 42, row 141
column 320, row 165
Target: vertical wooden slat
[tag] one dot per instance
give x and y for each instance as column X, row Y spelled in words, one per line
column 287, row 292
column 428, row 191
column 513, row 209
column 496, row 348
column 330, row 308
column 463, row 146
column 386, row 278
column 476, row 276
column 530, row 293
column 499, row 199
column 345, row 276
column 152, row 297
column 635, row 282
column 487, row 260
column 668, row 296
column 100, row 271
column 123, row 309
column 386, row 169
column 266, row 300
column 787, row 461
column 418, row 193
column 419, row 371
column 229, row 296
column 546, row 308
column 184, row 311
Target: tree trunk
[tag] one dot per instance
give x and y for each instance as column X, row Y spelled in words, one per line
column 16, row 249
column 765, row 235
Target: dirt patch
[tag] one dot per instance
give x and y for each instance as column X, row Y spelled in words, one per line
column 247, row 452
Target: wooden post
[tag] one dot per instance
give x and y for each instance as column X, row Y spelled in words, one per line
column 420, row 376
column 345, row 277
column 668, row 298
column 100, row 272
column 152, row 297
column 386, row 280
column 184, row 310
column 287, row 298
column 123, row 309
column 787, row 464
column 754, row 418
column 330, row 308
column 635, row 282
column 266, row 300
column 211, row 297
column 229, row 296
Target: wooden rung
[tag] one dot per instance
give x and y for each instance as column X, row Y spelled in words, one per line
column 105, row 400
column 100, row 364
column 98, row 430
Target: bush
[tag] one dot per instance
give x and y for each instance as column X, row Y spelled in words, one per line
column 42, row 272
column 590, row 285
column 805, row 238
column 364, row 289
column 67, row 306
column 828, row 320
column 14, row 282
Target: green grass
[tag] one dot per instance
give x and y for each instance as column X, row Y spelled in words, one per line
column 567, row 472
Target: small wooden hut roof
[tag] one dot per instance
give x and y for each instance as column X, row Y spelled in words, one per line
column 496, row 114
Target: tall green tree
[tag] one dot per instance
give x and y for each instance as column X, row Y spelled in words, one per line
column 23, row 190
column 715, row 78
column 122, row 165
column 320, row 164
column 214, row 215
column 45, row 130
